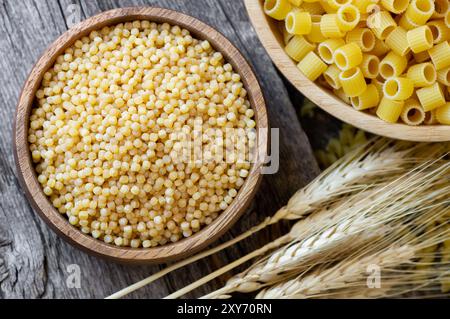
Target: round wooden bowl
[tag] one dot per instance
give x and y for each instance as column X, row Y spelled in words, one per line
column 57, row 221
column 272, row 40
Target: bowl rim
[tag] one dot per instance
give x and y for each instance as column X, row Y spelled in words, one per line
column 265, row 29
column 57, row 221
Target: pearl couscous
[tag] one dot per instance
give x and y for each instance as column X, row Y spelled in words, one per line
column 114, row 135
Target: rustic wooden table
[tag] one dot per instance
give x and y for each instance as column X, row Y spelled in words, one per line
column 34, row 262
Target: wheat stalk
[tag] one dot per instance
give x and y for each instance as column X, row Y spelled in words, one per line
column 339, row 276
column 356, row 219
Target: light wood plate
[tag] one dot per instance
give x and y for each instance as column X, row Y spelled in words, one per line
column 272, row 40
column 58, row 222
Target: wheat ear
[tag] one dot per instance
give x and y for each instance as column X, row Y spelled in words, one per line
column 295, row 255
column 339, row 276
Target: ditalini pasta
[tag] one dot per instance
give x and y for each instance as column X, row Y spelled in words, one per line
column 385, row 57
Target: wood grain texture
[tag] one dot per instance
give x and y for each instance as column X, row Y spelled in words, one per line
column 33, row 260
column 271, row 38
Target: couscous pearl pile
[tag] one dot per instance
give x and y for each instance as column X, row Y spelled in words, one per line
column 109, row 132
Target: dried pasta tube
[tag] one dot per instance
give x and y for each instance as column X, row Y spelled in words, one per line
column 296, row 3
column 431, row 97
column 363, row 37
column 390, row 110
column 380, row 48
column 314, row 8
column 412, row 113
column 367, row 100
column 447, row 19
column 395, row 6
column 336, row 4
column 312, row 66
column 443, row 114
column 406, row 23
column 393, row 65
column 348, row 17
column 420, row 39
column 329, row 26
column 379, row 85
column 443, row 76
column 353, row 82
column 422, row 75
column 398, row 41
column 382, row 24
column 277, row 9
column 419, row 11
column 316, row 36
column 327, row 48
column 430, row 118
column 441, row 7
column 440, row 55
column 331, row 76
column 298, row 47
column 365, row 6
column 370, row 66
column 398, row 88
column 348, row 56
column 439, row 31
column 298, row 22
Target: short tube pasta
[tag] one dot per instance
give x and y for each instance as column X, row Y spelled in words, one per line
column 370, row 66
column 397, row 40
column 395, row 6
column 393, row 65
column 296, row 2
column 363, row 37
column 431, row 97
column 420, row 39
column 382, row 24
column 440, row 55
column 439, row 31
column 422, row 75
column 419, row 11
column 298, row 47
column 348, row 56
column 336, row 4
column 327, row 48
column 277, row 9
column 312, row 66
column 443, row 114
column 353, row 82
column 412, row 113
column 316, row 36
column 398, row 88
column 441, row 7
column 348, row 17
column 368, row 99
column 331, row 76
column 443, row 76
column 329, row 26
column 390, row 110
column 298, row 22
column 407, row 24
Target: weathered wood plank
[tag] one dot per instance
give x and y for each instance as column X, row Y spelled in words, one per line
column 33, row 260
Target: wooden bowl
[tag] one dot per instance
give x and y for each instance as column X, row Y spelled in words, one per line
column 272, row 40
column 57, row 221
